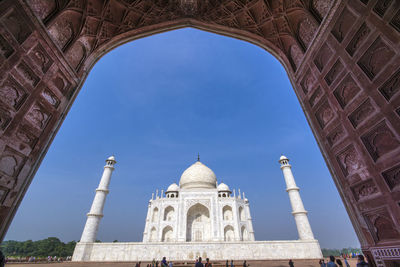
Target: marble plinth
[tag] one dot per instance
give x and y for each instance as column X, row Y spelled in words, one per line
column 187, row 251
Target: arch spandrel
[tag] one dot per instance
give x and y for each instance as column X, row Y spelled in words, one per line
column 346, row 79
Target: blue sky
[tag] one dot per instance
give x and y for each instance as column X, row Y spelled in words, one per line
column 155, row 103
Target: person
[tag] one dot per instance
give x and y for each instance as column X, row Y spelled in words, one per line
column 138, row 264
column 208, row 263
column 346, row 262
column 170, row 264
column 153, row 263
column 227, row 263
column 232, row 265
column 245, row 264
column 156, row 263
column 198, row 263
column 339, row 262
column 361, row 261
column 164, row 262
column 2, row 259
column 322, row 263
column 331, row 262
column 291, row 264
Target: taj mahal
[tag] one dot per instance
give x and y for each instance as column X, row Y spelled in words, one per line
column 197, row 218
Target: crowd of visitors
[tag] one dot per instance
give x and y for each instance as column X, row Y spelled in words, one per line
column 338, row 263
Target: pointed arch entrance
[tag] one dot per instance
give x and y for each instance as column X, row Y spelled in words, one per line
column 198, row 224
column 342, row 57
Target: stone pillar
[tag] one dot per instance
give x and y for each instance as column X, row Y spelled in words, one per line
column 298, row 211
column 96, row 211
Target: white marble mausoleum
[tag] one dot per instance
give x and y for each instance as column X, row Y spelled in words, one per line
column 198, row 217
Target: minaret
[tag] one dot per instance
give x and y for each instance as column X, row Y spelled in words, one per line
column 298, row 211
column 96, row 211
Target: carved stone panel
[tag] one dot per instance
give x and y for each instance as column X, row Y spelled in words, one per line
column 346, row 91
column 392, row 178
column 321, row 7
column 381, row 6
column 380, row 140
column 349, row 160
column 358, row 39
column 16, row 25
column 362, row 113
column 395, row 22
column 41, row 58
column 336, row 135
column 50, row 97
column 381, row 225
column 6, row 49
column 324, row 114
column 61, row 83
column 27, row 74
column 10, row 162
column 316, row 96
column 343, row 25
column 11, row 93
column 306, row 31
column 391, row 87
column 323, row 56
column 377, row 55
column 334, row 72
column 365, row 190
column 5, row 118
column 307, row 82
column 38, row 116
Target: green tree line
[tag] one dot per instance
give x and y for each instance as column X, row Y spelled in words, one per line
column 51, row 246
column 326, row 252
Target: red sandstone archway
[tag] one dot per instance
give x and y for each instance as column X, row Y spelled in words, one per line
column 342, row 57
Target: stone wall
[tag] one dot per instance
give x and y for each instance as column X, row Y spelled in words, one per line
column 184, row 251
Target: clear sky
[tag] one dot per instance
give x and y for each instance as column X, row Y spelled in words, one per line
column 155, row 103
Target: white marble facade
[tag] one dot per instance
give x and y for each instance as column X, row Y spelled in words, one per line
column 198, row 212
column 200, row 217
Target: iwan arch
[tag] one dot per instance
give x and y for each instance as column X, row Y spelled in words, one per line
column 342, row 57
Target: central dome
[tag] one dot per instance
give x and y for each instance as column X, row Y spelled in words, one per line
column 198, row 176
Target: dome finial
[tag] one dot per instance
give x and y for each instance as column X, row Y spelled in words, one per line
column 198, row 156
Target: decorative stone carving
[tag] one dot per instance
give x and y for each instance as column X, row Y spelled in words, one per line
column 10, row 162
column 362, row 113
column 323, row 56
column 41, row 58
column 16, row 25
column 296, row 54
column 11, row 93
column 316, row 96
column 346, row 91
column 62, row 31
column 343, row 25
column 5, row 118
column 306, row 30
column 335, row 136
column 38, row 116
column 5, row 48
column 50, row 97
column 377, row 55
column 380, row 140
column 61, row 83
column 307, row 82
column 191, row 202
column 26, row 138
column 321, row 7
column 358, row 39
column 392, row 178
column 324, row 114
column 381, row 225
column 381, row 6
column 42, row 9
column 27, row 73
column 395, row 22
column 365, row 190
column 349, row 161
column 391, row 87
column 334, row 72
